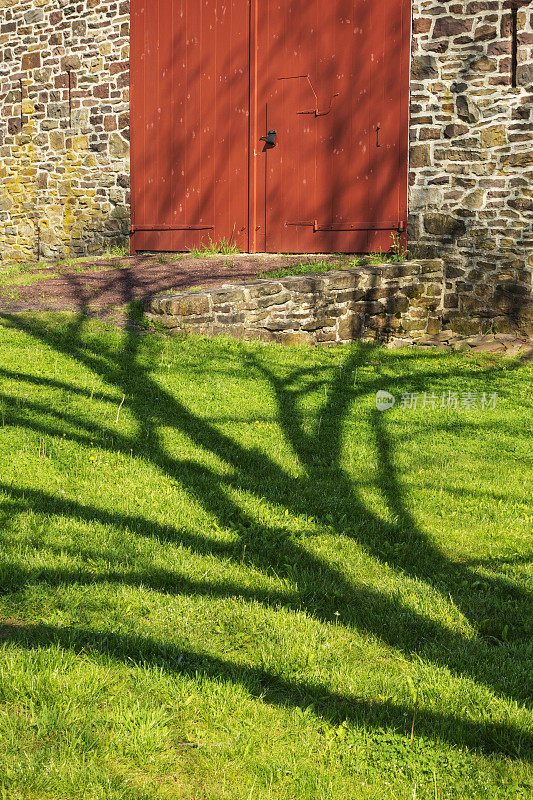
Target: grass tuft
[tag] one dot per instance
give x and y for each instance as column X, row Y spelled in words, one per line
column 224, row 247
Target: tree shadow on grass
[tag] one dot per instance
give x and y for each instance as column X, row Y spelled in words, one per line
column 335, row 707
column 323, row 490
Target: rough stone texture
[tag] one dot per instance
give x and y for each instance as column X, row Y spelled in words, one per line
column 471, row 195
column 387, row 302
column 64, row 183
column 63, row 170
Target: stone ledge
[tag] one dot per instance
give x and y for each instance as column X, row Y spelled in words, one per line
column 382, row 302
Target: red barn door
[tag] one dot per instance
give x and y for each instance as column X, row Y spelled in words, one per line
column 212, row 78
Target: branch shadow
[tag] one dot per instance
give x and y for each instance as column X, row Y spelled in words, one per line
column 325, row 491
column 274, row 689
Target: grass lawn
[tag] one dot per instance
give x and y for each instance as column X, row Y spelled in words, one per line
column 226, row 575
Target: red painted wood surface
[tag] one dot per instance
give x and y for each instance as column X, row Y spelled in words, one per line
column 189, row 122
column 211, row 77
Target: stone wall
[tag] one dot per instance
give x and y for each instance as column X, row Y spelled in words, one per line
column 389, row 302
column 64, row 150
column 471, row 179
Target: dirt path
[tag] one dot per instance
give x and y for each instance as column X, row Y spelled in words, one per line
column 101, row 288
column 104, row 289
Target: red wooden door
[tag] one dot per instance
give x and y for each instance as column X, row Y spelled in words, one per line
column 333, row 82
column 210, row 78
column 189, row 122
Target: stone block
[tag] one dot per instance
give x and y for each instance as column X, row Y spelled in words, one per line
column 420, row 156
column 414, row 326
column 30, row 61
column 424, row 196
column 34, row 16
column 70, row 62
column 341, row 279
column 414, row 291
column 57, row 110
column 440, row 224
column 376, row 293
column 327, row 337
column 474, row 304
column 188, row 305
column 494, row 136
column 464, row 325
column 302, row 285
column 474, row 200
column 524, row 75
column 230, row 319
column 467, row 110
column 118, row 147
column 396, row 305
column 485, row 32
column 446, row 27
column 434, row 325
column 278, row 325
column 348, row 295
column 271, row 300
column 227, row 295
column 318, row 322
column 349, row 328
column 424, row 67
column 296, row 337
column 455, row 130
column 263, row 288
column 518, row 160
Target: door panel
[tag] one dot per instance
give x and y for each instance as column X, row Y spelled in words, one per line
column 332, row 80
column 189, row 122
column 209, row 79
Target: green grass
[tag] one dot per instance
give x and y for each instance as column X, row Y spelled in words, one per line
column 225, row 574
column 326, row 265
column 24, row 273
column 307, row 268
column 223, row 247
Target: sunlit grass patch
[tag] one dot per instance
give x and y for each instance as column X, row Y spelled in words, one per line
column 226, row 574
column 24, row 273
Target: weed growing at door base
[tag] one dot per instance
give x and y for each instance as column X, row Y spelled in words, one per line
column 224, row 247
column 225, row 574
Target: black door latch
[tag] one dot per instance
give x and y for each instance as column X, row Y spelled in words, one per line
column 269, row 140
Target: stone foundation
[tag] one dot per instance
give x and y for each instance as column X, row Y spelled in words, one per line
column 388, row 302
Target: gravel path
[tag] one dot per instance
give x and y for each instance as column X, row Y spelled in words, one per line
column 99, row 286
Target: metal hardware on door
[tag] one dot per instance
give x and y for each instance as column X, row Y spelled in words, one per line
column 269, row 140
column 318, row 113
column 377, row 135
